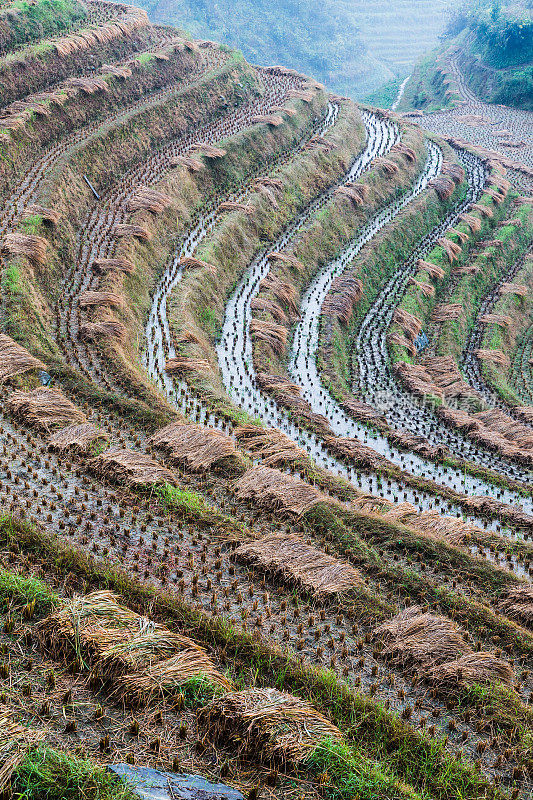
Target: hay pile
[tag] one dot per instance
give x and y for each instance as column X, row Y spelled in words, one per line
column 44, row 408
column 518, row 604
column 272, row 333
column 497, row 357
column 191, row 262
column 485, row 211
column 198, row 448
column 209, row 150
column 15, row 359
column 192, row 164
column 270, row 488
column 407, row 152
column 496, row 319
column 15, row 743
column 443, row 186
column 146, row 199
column 452, row 249
column 410, row 324
column 266, row 724
column 454, row 170
column 112, row 329
column 362, row 411
column 416, row 638
column 268, row 119
column 356, row 192
column 317, row 141
column 474, row 223
column 356, row 452
column 77, row 439
column 446, row 312
column 129, row 20
column 138, row 231
column 284, row 293
column 472, row 668
column 416, row 378
column 274, row 448
column 181, row 365
column 431, row 523
column 291, row 559
column 445, row 373
column 344, row 293
column 49, row 215
column 433, row 270
column 291, row 261
column 100, row 299
column 119, row 264
column 231, row 205
column 398, row 339
column 28, row 245
column 386, row 165
column 426, row 288
column 130, row 468
column 514, row 288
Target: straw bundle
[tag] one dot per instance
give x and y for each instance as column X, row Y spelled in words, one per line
column 144, row 649
column 426, row 288
column 146, row 199
column 414, row 637
column 451, row 249
column 182, row 365
column 458, row 419
column 496, row 196
column 284, row 292
column 291, row 559
column 407, row 152
column 271, row 333
column 356, row 452
column 433, row 270
column 445, row 373
column 290, row 260
column 354, row 193
column 138, row 231
column 461, row 235
column 48, row 214
column 485, row 211
column 77, row 439
column 398, row 339
column 198, row 448
column 269, row 306
column 15, row 742
column 268, row 193
column 44, row 408
column 514, row 288
column 130, row 468
column 320, row 141
column 274, row 448
column 192, row 164
column 472, row 668
column 410, row 324
column 22, row 244
column 271, row 183
column 450, row 529
column 130, row 20
column 100, row 299
column 209, row 150
column 119, row 264
column 112, row 329
column 506, row 426
column 88, row 85
column 306, row 95
column 453, row 170
column 446, row 312
column 276, row 490
column 516, row 221
column 416, row 379
column 525, row 413
column 267, row 724
column 386, row 165
column 362, row 411
column 494, row 356
column 230, row 205
column 474, row 223
column 269, row 119
column 518, row 604
column 88, row 625
column 344, row 293
column 190, row 262
column 120, row 72
column 169, row 677
column 444, row 187
column 15, row 359
column 496, row 319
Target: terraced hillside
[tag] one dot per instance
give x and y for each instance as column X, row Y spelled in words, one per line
column 265, row 470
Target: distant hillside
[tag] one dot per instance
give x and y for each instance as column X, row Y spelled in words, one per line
column 353, row 47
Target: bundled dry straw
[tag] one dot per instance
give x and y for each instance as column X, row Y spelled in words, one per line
column 100, row 299
column 122, row 229
column 198, row 448
column 268, row 119
column 426, row 288
column 145, row 647
column 130, row 468
column 407, row 152
column 450, row 529
column 444, row 187
column 356, row 452
column 496, row 319
column 28, row 245
column 451, row 249
column 77, row 439
column 192, row 164
column 433, row 270
column 497, row 357
column 410, row 324
column 118, row 264
column 44, row 408
column 344, row 293
column 271, row 333
column 518, row 604
column 209, row 150
column 266, row 724
column 190, row 262
column 414, row 637
column 15, row 359
column 514, row 288
column 479, row 668
column 48, row 215
column 15, row 743
column 274, row 448
column 146, row 199
column 276, row 490
column 291, row 559
column 169, row 677
column 447, row 376
column 112, row 329
column 230, row 205
column 453, row 170
column 398, row 339
column 291, row 261
column 181, row 365
column 485, row 211
column 386, row 165
column 127, row 21
column 88, row 85
column 446, row 312
column 474, row 223
column 356, row 192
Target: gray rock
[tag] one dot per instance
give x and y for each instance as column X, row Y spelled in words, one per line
column 150, row 784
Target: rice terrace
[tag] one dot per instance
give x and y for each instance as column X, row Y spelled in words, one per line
column 266, row 414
